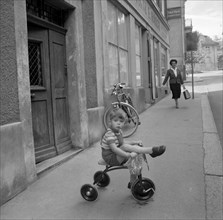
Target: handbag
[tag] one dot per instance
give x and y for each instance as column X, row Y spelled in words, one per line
column 186, row 94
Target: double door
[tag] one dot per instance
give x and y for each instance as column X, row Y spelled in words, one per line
column 49, row 99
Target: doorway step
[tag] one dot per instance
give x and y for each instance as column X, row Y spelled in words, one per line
column 48, row 165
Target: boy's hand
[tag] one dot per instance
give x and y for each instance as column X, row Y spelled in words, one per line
column 133, row 154
column 139, row 143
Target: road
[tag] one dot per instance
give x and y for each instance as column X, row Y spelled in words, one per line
column 213, row 82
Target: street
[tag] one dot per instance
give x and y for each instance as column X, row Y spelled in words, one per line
column 213, row 81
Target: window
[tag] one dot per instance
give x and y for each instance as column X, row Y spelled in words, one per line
column 163, row 62
column 138, row 55
column 156, row 62
column 161, row 5
column 117, row 45
column 46, row 11
column 158, row 3
column 35, row 65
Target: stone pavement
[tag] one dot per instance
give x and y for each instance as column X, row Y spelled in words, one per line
column 188, row 177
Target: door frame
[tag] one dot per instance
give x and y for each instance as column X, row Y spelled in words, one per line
column 45, row 24
column 31, row 19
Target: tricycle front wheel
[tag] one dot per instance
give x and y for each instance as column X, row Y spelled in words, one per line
column 143, row 189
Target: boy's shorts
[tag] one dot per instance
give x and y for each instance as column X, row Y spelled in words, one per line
column 111, row 158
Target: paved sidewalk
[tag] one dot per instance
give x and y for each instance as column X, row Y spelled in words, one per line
column 184, row 188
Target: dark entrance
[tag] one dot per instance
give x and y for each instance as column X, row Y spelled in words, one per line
column 48, row 83
column 150, row 80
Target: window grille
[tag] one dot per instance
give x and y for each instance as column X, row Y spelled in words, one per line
column 35, row 66
column 48, row 12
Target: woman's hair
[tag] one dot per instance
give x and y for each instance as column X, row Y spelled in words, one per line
column 118, row 112
column 173, row 60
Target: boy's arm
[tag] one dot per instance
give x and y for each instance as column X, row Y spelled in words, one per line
column 119, row 151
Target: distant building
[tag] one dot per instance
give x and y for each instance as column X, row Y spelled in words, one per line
column 188, row 26
column 220, row 62
column 208, row 49
column 220, row 54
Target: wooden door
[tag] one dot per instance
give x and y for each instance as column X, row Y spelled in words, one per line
column 48, row 83
column 41, row 101
column 150, row 79
column 59, row 91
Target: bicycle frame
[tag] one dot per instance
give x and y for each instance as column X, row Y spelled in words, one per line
column 120, row 94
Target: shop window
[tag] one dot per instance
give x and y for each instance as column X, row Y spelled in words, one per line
column 138, row 55
column 163, row 62
column 117, row 45
column 156, row 62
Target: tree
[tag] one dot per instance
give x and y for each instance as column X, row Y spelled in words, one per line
column 192, row 39
column 194, row 54
column 197, row 57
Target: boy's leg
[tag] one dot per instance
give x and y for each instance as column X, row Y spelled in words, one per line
column 136, row 149
column 133, row 177
column 153, row 151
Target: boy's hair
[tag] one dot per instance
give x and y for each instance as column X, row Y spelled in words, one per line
column 117, row 112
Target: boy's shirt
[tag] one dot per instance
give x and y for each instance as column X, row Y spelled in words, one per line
column 110, row 137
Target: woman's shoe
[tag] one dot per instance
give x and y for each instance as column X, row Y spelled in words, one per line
column 157, row 151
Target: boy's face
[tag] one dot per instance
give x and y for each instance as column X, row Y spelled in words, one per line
column 117, row 124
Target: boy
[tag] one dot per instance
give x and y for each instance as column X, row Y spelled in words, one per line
column 115, row 151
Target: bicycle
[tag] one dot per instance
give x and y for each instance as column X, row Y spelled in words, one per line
column 124, row 102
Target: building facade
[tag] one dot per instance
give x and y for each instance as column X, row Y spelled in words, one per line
column 59, row 61
column 176, row 20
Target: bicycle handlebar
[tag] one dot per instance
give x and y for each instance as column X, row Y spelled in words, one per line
column 118, row 88
column 119, row 85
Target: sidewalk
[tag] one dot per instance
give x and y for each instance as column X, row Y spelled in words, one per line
column 186, row 185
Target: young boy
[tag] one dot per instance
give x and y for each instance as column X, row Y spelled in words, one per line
column 115, row 151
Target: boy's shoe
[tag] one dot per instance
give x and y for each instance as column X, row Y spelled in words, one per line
column 157, row 151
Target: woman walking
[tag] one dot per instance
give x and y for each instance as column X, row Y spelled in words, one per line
column 175, row 81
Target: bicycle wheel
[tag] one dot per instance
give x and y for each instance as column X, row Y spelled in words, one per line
column 132, row 121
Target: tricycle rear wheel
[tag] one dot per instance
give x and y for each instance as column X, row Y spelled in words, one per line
column 89, row 192
column 101, row 179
